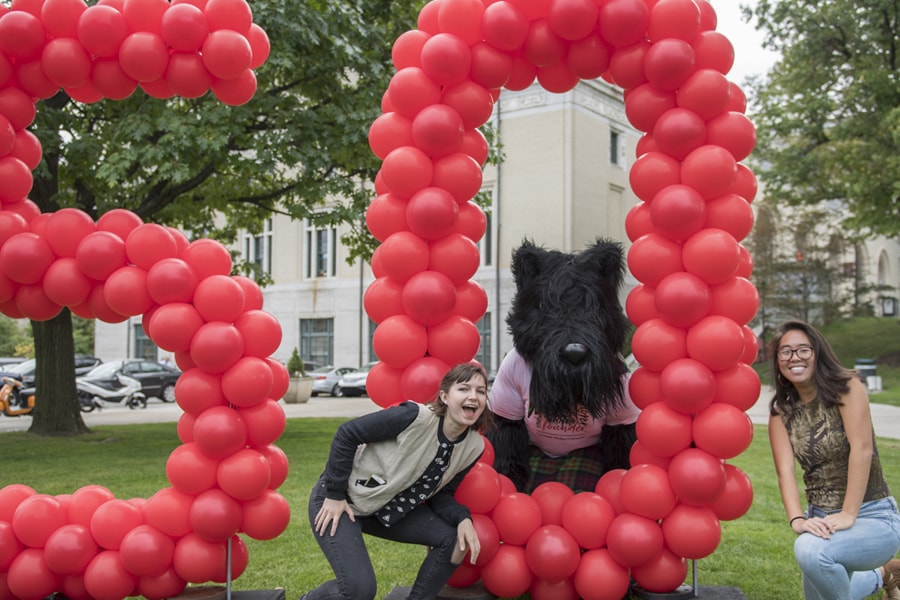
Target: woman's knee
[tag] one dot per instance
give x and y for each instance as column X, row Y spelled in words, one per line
column 360, row 589
column 810, row 551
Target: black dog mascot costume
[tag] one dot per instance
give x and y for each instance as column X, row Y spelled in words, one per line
column 560, row 402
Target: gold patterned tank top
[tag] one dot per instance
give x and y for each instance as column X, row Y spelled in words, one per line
column 821, row 447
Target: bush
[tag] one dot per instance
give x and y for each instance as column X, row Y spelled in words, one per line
column 295, row 365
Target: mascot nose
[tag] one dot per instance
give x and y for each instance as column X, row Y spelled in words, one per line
column 575, row 353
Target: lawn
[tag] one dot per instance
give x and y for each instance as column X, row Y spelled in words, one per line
column 755, row 554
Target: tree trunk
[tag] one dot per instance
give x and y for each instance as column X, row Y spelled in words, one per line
column 57, row 410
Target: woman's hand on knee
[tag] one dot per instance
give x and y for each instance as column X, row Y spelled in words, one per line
column 330, row 514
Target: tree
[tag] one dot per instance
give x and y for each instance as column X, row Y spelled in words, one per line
column 297, row 145
column 828, row 114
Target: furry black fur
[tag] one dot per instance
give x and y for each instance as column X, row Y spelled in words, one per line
column 567, row 321
column 568, row 324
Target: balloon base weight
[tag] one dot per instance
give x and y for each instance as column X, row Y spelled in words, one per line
column 475, row 591
column 685, row 592
column 218, row 592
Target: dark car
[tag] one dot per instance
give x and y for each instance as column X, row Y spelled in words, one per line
column 24, row 371
column 157, row 380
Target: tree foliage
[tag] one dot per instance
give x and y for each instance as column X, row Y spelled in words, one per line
column 828, row 114
column 299, row 146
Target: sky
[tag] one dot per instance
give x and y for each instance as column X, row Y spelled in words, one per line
column 749, row 56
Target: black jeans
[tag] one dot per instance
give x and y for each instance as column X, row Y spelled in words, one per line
column 346, row 552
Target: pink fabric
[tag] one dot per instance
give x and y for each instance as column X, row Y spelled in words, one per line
column 509, row 399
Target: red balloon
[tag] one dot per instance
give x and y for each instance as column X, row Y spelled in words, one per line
column 60, row 17
column 480, row 490
column 656, row 344
column 189, row 470
column 574, row 19
column 692, row 531
column 653, row 171
column 383, row 385
column 504, row 25
column 640, row 305
column 184, row 27
column 411, row 89
column 626, row 65
column 172, row 326
column 148, row 244
column 167, row 510
column 219, row 298
column 557, row 590
column 10, row 546
column 637, row 221
column 664, row 431
column 490, row 66
column 558, row 78
column 716, row 341
column 171, row 280
column 517, row 516
column 633, row 540
column 697, row 476
column 226, row 54
column 187, row 75
column 65, row 285
column 11, row 496
column 669, row 62
column 197, row 560
column 730, row 213
column 679, row 131
column 507, row 575
column 244, row 475
column 85, row 501
column 709, row 169
column 208, row 257
column 398, row 340
column 146, row 551
column 454, row 340
column 645, row 491
column 588, row 58
column 687, row 386
column 402, row 255
column 25, row 257
column 65, row 62
column 167, row 585
column 278, row 465
column 652, row 257
column 216, row 347
column 461, row 18
column 735, row 299
column 36, row 518
column 266, row 516
column 265, row 422
column 674, row 19
column 737, row 496
column 552, row 553
column 643, row 387
column 421, row 379
column 599, row 575
column 22, row 35
column 437, row 130
column 445, row 59
column 406, row 170
column 407, row 47
column 733, row 131
column 144, row 56
column 228, row 14
column 459, row 174
column 713, row 50
column 678, row 212
column 215, row 516
column 466, row 574
column 99, row 254
column 125, row 291
column 15, row 104
column 712, row 255
column 219, row 432
column 471, row 301
column 383, row 298
column 29, row 576
column 723, row 430
column 471, row 102
column 260, row 330
column 663, row 574
column 69, row 549
column 551, row 497
column 543, row 47
column 639, row 455
column 101, row 29
column 682, row 299
column 706, row 92
column 431, row 213
column 388, row 132
column 587, row 516
column 738, row 385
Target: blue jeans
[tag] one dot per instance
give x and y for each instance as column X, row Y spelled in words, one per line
column 845, row 567
column 349, row 559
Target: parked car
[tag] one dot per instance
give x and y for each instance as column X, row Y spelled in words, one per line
column 325, row 380
column 24, row 371
column 157, row 380
column 354, row 382
column 6, row 361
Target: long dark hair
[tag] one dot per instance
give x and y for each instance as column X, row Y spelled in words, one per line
column 461, row 373
column 830, row 377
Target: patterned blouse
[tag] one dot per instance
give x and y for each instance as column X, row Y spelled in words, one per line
column 821, row 447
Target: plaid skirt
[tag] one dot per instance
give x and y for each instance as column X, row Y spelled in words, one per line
column 579, row 470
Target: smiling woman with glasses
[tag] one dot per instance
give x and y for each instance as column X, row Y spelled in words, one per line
column 849, row 531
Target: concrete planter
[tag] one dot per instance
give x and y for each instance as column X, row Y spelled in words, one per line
column 299, row 390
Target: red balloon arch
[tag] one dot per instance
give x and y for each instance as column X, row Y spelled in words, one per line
column 691, row 307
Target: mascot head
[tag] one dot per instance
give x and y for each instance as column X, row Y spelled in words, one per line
column 567, row 322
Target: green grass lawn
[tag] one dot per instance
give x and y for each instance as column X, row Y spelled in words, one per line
column 755, row 553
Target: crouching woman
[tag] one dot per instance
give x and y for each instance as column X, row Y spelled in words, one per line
column 393, row 474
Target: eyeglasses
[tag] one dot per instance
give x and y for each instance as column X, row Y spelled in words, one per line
column 803, row 352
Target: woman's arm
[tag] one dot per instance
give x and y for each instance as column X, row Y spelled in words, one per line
column 858, row 425
column 783, row 455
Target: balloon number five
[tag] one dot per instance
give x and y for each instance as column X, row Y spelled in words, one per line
column 691, row 307
column 224, row 476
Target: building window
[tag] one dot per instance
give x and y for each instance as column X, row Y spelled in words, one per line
column 615, row 154
column 320, row 249
column 257, row 248
column 372, row 356
column 143, row 345
column 486, row 244
column 317, row 341
column 484, row 350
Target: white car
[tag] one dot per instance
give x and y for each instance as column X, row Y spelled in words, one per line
column 354, row 382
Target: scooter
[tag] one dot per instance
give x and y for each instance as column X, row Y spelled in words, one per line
column 15, row 401
column 128, row 393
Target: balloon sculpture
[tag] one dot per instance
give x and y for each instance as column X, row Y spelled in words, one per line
column 691, row 307
column 224, row 476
